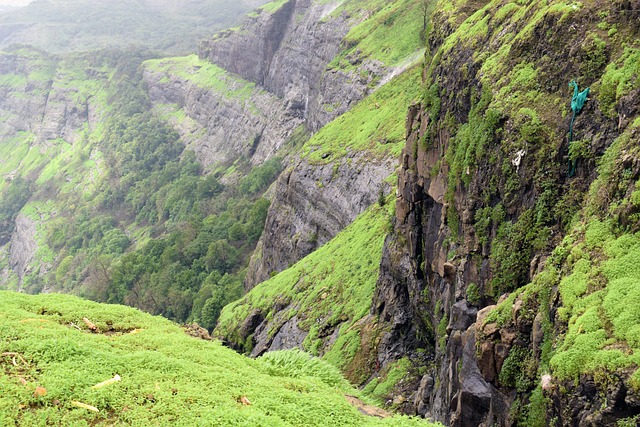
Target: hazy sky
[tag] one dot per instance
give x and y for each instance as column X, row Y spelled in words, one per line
column 14, row 2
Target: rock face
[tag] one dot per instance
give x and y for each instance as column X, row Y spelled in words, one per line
column 311, row 204
column 287, row 51
column 44, row 112
column 41, row 106
column 221, row 128
column 22, row 246
column 443, row 266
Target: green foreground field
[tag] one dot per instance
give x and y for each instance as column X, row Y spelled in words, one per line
column 52, row 365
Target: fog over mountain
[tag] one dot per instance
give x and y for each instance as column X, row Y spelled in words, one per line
column 8, row 5
column 80, row 25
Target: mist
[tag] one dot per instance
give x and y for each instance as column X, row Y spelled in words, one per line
column 84, row 25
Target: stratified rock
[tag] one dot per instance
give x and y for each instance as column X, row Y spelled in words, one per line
column 304, row 215
column 23, row 245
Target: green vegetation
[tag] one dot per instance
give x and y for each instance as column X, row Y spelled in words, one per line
column 51, row 364
column 13, row 199
column 596, row 271
column 375, row 125
column 391, row 34
column 518, row 369
column 273, row 6
column 129, row 216
column 472, row 140
column 498, row 102
column 600, row 299
column 619, row 80
column 204, row 74
column 380, row 390
column 331, row 288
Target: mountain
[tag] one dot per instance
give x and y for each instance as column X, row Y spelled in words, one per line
column 501, row 277
column 81, row 25
column 411, row 191
column 141, row 181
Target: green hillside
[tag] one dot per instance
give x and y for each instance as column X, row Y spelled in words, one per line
column 331, row 288
column 82, row 25
column 51, row 364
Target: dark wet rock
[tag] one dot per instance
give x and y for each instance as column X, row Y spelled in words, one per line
column 462, row 316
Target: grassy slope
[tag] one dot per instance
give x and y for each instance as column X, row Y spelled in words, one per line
column 390, row 34
column 203, row 74
column 168, row 378
column 332, row 286
column 376, row 125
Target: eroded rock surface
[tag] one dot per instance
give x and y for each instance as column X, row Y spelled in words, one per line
column 311, row 204
column 23, row 245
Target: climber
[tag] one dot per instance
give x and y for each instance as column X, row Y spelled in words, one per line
column 577, row 102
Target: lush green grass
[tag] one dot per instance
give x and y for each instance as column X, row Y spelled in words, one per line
column 604, row 331
column 390, row 34
column 376, row 124
column 600, row 296
column 205, row 75
column 596, row 272
column 273, row 6
column 619, row 79
column 331, row 288
column 51, row 361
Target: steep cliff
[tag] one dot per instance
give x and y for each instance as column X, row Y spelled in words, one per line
column 319, row 57
column 343, row 169
column 218, row 115
column 294, row 63
column 338, row 174
column 37, row 97
column 48, row 105
column 489, row 187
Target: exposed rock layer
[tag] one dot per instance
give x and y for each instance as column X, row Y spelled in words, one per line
column 311, row 204
column 437, row 251
column 221, row 128
column 287, row 52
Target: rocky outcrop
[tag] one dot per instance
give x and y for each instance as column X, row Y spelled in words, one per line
column 217, row 125
column 311, row 204
column 249, row 50
column 23, row 245
column 446, row 263
column 23, row 113
column 46, row 105
column 288, row 336
column 287, row 52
